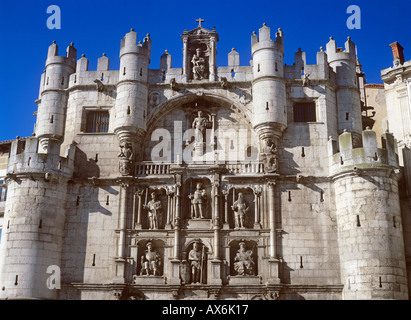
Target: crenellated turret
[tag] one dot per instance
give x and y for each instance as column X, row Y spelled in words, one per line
column 269, row 89
column 371, row 244
column 348, row 99
column 132, row 89
column 53, row 98
column 35, row 214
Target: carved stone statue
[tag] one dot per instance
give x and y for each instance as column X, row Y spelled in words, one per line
column 196, row 260
column 126, row 159
column 150, row 261
column 154, row 208
column 199, row 68
column 244, row 261
column 306, row 79
column 198, row 200
column 270, row 156
column 200, row 125
column 240, row 209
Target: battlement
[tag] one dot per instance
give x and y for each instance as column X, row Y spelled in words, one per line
column 367, row 157
column 264, row 41
column 335, row 53
column 300, row 67
column 26, row 159
column 100, row 77
column 69, row 59
column 129, row 44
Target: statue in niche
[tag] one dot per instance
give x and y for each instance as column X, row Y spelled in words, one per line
column 270, row 156
column 200, row 125
column 198, row 200
column 244, row 261
column 240, row 209
column 154, row 208
column 196, row 259
column 199, row 68
column 150, row 261
column 126, row 159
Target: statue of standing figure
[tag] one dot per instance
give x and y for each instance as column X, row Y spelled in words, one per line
column 198, row 200
column 196, row 259
column 244, row 261
column 150, row 261
column 240, row 209
column 154, row 208
column 200, row 125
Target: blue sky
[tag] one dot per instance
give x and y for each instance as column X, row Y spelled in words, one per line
column 96, row 27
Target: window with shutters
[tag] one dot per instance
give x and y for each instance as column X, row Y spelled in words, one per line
column 305, row 112
column 97, row 121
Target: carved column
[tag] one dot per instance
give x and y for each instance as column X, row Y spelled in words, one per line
column 212, row 65
column 216, row 262
column 139, row 195
column 170, row 192
column 257, row 207
column 185, row 57
column 175, row 262
column 121, row 248
column 273, row 261
column 226, row 224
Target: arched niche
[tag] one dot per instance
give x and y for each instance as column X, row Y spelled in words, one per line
column 161, row 196
column 243, row 258
column 203, row 248
column 188, row 190
column 233, row 215
column 157, row 246
column 168, row 129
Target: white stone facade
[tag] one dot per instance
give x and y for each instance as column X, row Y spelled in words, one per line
column 322, row 213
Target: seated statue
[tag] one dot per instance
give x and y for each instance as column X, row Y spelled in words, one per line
column 244, row 261
column 199, row 69
column 150, row 262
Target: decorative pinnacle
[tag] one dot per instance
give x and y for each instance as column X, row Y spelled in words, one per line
column 132, row 29
column 72, row 44
column 264, row 24
column 83, row 55
column 331, row 38
column 321, row 49
column 54, row 41
column 348, row 38
column 104, row 54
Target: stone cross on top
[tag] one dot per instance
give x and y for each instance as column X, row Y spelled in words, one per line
column 199, row 20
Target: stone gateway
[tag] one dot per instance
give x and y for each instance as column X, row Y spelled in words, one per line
column 206, row 181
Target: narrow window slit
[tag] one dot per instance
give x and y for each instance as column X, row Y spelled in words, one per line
column 394, row 223
column 94, row 260
column 380, row 280
column 41, row 224
column 102, row 76
column 96, row 158
column 28, row 162
column 78, row 201
column 289, row 195
column 52, row 119
column 341, row 160
column 124, row 71
column 301, row 262
column 59, row 165
column 347, row 115
column 62, row 81
column 141, row 72
column 266, row 106
column 128, row 110
column 358, row 221
column 302, row 152
column 16, row 282
column 322, row 196
column 107, row 201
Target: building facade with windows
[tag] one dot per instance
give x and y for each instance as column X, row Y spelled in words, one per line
column 203, row 182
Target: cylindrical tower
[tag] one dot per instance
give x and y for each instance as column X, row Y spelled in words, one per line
column 370, row 233
column 51, row 114
column 347, row 94
column 269, row 89
column 132, row 90
column 32, row 241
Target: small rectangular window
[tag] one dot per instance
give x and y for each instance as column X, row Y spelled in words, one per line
column 304, row 112
column 97, row 121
